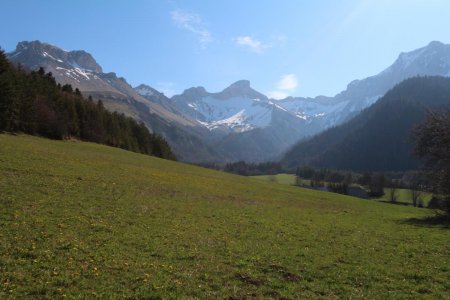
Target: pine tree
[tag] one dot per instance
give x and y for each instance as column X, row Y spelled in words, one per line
column 32, row 102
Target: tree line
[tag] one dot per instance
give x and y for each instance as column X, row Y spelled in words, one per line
column 433, row 146
column 252, row 169
column 32, row 102
column 375, row 185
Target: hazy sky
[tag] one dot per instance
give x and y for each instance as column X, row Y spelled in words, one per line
column 298, row 47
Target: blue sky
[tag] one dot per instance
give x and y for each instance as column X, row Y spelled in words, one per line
column 300, row 48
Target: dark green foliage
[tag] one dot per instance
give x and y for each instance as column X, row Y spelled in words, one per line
column 305, row 172
column 376, row 185
column 334, row 181
column 365, row 179
column 378, row 139
column 32, row 103
column 340, row 188
column 327, row 175
column 249, row 169
column 433, row 145
column 437, row 203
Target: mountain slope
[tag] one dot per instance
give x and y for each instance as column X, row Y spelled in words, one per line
column 431, row 60
column 257, row 128
column 79, row 69
column 379, row 139
column 238, row 108
column 237, row 123
column 243, row 122
column 82, row 220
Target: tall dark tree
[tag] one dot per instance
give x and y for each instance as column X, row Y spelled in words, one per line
column 433, row 146
column 393, row 190
column 376, row 185
column 9, row 105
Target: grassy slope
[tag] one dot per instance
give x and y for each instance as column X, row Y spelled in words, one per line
column 86, row 220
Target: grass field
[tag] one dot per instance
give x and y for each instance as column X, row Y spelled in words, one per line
column 81, row 220
column 403, row 195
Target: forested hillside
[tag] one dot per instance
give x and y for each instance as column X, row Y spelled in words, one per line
column 32, row 103
column 379, row 139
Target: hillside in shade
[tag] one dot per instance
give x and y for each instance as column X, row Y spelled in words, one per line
column 378, row 139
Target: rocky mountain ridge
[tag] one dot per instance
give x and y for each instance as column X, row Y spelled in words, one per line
column 238, row 123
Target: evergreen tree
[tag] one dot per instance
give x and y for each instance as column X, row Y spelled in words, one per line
column 33, row 103
column 433, row 146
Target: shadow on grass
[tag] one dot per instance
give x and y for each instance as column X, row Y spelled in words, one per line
column 396, row 202
column 439, row 220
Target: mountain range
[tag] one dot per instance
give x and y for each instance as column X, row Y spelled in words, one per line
column 237, row 123
column 380, row 138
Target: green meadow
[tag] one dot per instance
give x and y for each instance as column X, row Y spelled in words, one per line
column 82, row 220
column 403, row 195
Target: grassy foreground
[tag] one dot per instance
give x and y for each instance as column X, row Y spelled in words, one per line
column 81, row 220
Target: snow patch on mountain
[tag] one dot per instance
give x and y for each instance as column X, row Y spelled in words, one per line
column 76, row 73
column 237, row 122
column 82, row 73
column 45, row 54
column 237, row 113
column 309, row 109
column 276, row 105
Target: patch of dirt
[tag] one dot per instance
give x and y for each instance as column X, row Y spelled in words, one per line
column 283, row 272
column 249, row 280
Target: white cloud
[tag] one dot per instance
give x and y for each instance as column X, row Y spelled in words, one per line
column 288, row 82
column 193, row 23
column 252, row 43
column 258, row 46
column 284, row 87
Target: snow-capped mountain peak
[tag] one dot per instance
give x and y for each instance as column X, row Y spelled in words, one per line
column 246, row 109
column 237, row 108
column 433, row 59
column 77, row 68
